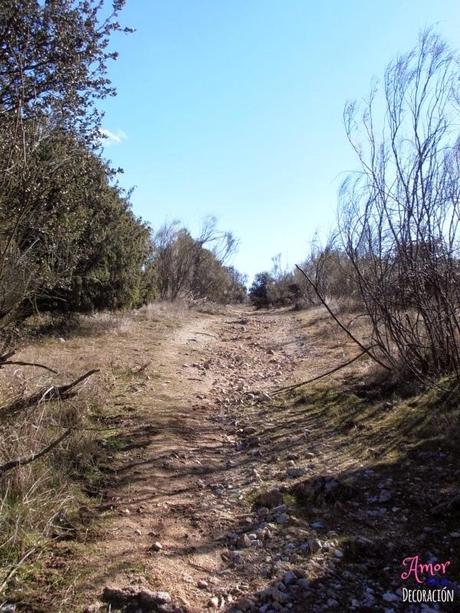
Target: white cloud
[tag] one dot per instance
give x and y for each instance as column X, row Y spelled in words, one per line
column 112, row 138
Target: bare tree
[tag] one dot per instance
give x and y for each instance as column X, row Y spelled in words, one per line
column 400, row 213
column 191, row 267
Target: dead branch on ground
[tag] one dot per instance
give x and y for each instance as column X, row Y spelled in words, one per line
column 46, row 394
column 34, row 456
column 34, row 364
column 325, row 374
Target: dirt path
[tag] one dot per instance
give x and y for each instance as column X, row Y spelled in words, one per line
column 218, row 496
column 187, row 462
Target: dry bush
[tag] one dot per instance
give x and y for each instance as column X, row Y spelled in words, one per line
column 332, row 273
column 208, row 307
column 398, row 260
column 195, row 268
column 119, row 323
column 157, row 311
column 400, row 214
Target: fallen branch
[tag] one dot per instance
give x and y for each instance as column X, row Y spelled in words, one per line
column 47, row 394
column 338, row 322
column 5, row 360
column 64, row 389
column 205, row 334
column 35, row 364
column 325, row 374
column 141, row 369
column 34, row 456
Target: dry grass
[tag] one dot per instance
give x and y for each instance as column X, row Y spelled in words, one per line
column 103, row 323
column 374, row 412
column 38, row 499
column 329, row 346
column 46, row 326
column 210, row 308
column 158, row 311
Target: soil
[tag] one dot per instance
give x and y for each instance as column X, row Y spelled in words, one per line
column 189, row 463
column 221, row 494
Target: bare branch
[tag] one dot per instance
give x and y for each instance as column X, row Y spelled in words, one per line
column 325, row 374
column 34, row 364
column 338, row 322
column 46, row 394
column 34, row 456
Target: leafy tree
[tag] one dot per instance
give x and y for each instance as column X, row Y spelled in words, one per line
column 89, row 251
column 53, row 62
column 259, row 290
column 275, row 288
column 53, row 71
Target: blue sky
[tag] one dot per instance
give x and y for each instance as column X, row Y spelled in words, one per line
column 234, row 108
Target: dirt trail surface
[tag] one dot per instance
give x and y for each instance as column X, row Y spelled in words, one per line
column 190, row 458
column 219, row 495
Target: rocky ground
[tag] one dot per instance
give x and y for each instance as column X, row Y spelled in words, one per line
column 223, row 495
